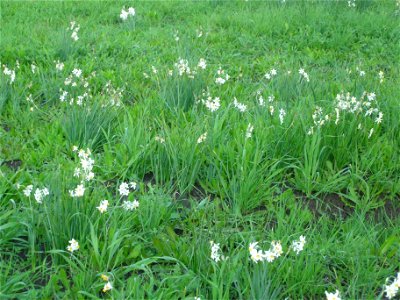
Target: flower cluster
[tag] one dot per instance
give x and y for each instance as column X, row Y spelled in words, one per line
column 74, row 27
column 298, row 246
column 392, row 289
column 240, row 106
column 84, row 172
column 270, row 255
column 249, row 131
column 10, row 73
column 107, row 286
column 103, row 206
column 216, row 252
column 351, row 3
column 124, row 190
column 332, row 296
column 126, row 13
column 270, row 74
column 213, row 104
column 183, row 68
column 73, row 246
column 222, row 77
column 304, row 74
column 202, row 138
column 320, row 119
column 59, row 65
column 76, row 82
column 39, row 193
column 113, row 95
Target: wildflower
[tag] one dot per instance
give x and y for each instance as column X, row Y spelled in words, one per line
column 391, row 291
column 160, row 139
column 303, row 73
column 271, row 110
column 78, row 192
column 370, row 133
column 379, row 119
column 256, row 255
column 381, row 76
column 74, row 148
column 74, row 30
column 124, row 189
column 282, row 114
column 40, row 193
column 351, row 3
column 103, row 206
column 33, row 68
column 124, row 15
column 105, row 277
column 240, row 106
column 154, row 70
column 130, row 205
column 276, row 248
column 176, row 36
column 77, row 72
column 298, row 246
column 215, row 252
column 202, row 138
column 59, row 66
column 73, row 246
column 332, row 296
column 269, row 255
column 133, row 185
column 107, row 287
column 27, row 191
column 221, row 79
column 249, row 131
column 202, row 63
column 10, row 73
column 213, row 104
column 131, row 11
column 196, row 298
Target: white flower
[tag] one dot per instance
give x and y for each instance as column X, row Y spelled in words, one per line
column 303, row 73
column 59, row 66
column 202, row 138
column 124, row 15
column 133, row 185
column 40, row 193
column 249, row 131
column 391, row 290
column 379, row 119
column 298, row 246
column 103, row 206
column 370, row 133
column 131, row 11
column 213, row 104
column 78, row 192
column 124, row 189
column 77, row 72
column 33, row 68
column 269, row 255
column 73, row 246
column 220, row 81
column 202, row 63
column 277, row 248
column 130, row 205
column 282, row 114
column 107, row 287
column 332, row 296
column 74, row 148
column 215, row 252
column 74, row 36
column 240, row 106
column 160, row 139
column 381, row 76
column 27, row 191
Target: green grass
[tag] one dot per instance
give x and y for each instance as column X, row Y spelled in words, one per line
column 335, row 183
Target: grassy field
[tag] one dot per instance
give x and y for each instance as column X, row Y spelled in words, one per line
column 144, row 153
